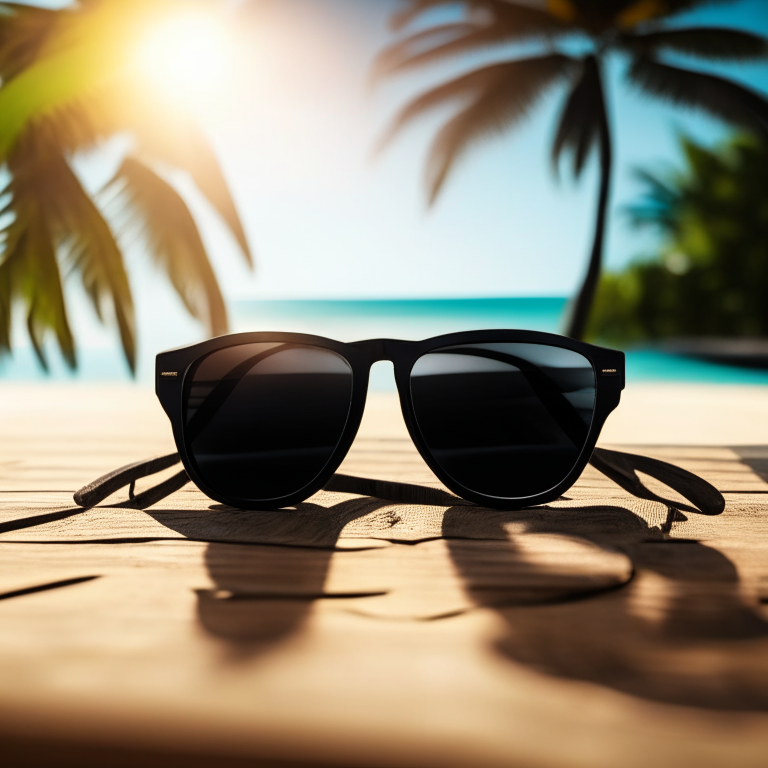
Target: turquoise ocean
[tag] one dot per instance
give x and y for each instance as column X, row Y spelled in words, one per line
column 349, row 320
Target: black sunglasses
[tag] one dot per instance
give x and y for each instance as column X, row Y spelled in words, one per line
column 503, row 418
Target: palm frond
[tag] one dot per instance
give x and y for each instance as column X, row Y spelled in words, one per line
column 605, row 14
column 501, row 96
column 49, row 83
column 83, row 88
column 46, row 303
column 519, row 21
column 704, row 42
column 84, row 51
column 473, row 84
column 72, row 127
column 658, row 205
column 190, row 151
column 94, row 254
column 168, row 135
column 630, row 13
column 29, row 274
column 460, row 88
column 413, row 10
column 526, row 20
column 24, row 32
column 672, row 8
column 6, row 308
column 503, row 23
column 161, row 133
column 715, row 95
column 67, row 85
column 43, row 181
column 401, row 54
column 174, row 241
column 578, row 130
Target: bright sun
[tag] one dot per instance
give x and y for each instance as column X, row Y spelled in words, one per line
column 188, row 58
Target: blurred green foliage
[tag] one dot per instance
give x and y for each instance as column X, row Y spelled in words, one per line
column 499, row 94
column 70, row 82
column 710, row 276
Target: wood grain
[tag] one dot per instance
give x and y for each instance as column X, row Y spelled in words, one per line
column 600, row 630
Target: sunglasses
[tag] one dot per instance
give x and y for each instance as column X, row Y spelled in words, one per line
column 503, row 418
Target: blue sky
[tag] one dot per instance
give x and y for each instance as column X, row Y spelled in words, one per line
column 326, row 221
column 294, row 128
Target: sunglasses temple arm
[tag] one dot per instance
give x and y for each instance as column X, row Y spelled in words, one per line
column 622, row 468
column 98, row 490
column 616, row 465
column 619, row 467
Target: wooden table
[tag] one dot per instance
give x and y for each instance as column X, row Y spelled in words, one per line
column 598, row 631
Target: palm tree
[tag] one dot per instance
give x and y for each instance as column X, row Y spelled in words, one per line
column 496, row 97
column 68, row 83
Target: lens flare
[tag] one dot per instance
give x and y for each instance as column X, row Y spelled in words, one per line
column 187, row 58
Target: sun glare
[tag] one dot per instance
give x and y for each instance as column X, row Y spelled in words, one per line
column 188, row 58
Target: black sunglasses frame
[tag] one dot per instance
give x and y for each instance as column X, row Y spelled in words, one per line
column 173, row 367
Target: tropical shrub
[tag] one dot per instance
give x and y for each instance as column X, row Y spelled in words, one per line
column 710, row 276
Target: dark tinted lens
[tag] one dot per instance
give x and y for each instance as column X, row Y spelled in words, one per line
column 262, row 420
column 504, row 419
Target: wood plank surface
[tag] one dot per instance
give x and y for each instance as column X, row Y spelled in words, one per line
column 600, row 630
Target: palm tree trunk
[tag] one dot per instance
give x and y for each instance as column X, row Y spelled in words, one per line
column 582, row 305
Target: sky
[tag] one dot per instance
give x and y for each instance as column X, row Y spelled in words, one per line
column 327, row 220
column 294, row 125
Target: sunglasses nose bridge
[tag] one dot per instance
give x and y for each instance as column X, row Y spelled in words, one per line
column 383, row 349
